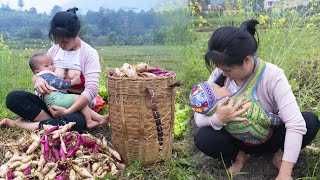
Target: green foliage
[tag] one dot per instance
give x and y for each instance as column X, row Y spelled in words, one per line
column 181, row 120
column 103, row 92
column 176, row 27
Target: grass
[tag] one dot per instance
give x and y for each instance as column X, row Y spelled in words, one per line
column 293, row 49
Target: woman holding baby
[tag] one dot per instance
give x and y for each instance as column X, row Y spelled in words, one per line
column 74, row 59
column 232, row 51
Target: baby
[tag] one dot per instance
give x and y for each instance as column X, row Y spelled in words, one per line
column 41, row 65
column 204, row 98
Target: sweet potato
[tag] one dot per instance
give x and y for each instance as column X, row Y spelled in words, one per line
column 50, row 130
column 23, row 166
column 63, row 130
column 55, row 154
column 118, row 73
column 10, row 175
column 17, row 174
column 72, row 175
column 114, row 169
column 27, row 170
column 38, row 175
column 141, row 67
column 115, row 154
column 8, row 155
column 63, row 145
column 27, row 158
column 3, row 170
column 120, row 166
column 74, row 148
column 41, row 163
column 48, row 167
column 87, row 142
column 95, row 166
column 15, row 164
column 81, row 171
column 99, row 171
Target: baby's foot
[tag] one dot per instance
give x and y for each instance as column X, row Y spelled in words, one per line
column 7, row 122
column 277, row 159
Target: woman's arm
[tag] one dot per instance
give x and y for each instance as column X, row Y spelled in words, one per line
column 293, row 119
column 203, row 120
column 91, row 74
column 225, row 112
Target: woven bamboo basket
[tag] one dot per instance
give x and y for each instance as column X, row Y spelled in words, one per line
column 135, row 134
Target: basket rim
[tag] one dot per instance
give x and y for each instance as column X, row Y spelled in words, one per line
column 139, row 78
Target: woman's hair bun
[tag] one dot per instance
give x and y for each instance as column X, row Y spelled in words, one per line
column 73, row 10
column 250, row 26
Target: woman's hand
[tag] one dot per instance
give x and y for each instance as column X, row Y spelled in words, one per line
column 227, row 112
column 41, row 85
column 285, row 171
column 283, row 177
column 58, row 111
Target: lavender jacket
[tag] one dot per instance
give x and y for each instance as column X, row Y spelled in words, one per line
column 274, row 94
column 90, row 68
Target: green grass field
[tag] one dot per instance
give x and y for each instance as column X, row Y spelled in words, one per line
column 291, row 49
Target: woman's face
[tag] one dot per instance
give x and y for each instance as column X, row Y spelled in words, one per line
column 238, row 73
column 69, row 44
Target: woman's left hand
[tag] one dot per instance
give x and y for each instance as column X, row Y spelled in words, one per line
column 57, row 111
column 283, row 177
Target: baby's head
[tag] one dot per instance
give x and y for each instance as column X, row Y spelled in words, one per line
column 41, row 62
column 204, row 96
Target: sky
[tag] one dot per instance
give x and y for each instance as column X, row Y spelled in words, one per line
column 41, row 5
column 83, row 5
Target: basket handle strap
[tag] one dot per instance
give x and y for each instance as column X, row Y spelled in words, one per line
column 175, row 84
column 156, row 116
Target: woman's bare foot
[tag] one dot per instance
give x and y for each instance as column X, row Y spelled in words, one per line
column 277, row 159
column 104, row 119
column 238, row 163
column 92, row 124
column 7, row 122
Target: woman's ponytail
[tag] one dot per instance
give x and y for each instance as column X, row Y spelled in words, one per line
column 250, row 26
column 73, row 10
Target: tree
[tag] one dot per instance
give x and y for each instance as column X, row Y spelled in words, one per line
column 55, row 9
column 5, row 7
column 36, row 33
column 20, row 4
column 33, row 10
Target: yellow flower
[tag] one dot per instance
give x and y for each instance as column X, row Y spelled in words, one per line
column 263, row 19
column 292, row 11
column 193, row 12
column 310, row 25
column 282, row 21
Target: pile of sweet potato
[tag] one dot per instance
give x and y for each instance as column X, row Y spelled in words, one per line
column 140, row 70
column 58, row 153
